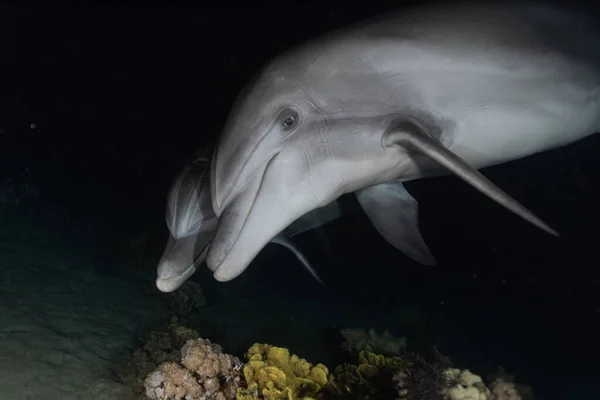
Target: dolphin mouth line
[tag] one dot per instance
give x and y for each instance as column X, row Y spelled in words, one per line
column 255, row 196
column 176, row 277
column 168, row 285
column 201, row 257
column 253, row 150
column 165, row 284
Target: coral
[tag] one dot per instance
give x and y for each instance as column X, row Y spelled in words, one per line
column 205, row 373
column 161, row 346
column 372, row 364
column 273, row 374
column 369, row 379
column 199, row 370
column 437, row 379
column 467, row 386
column 502, row 390
column 386, row 343
column 425, row 378
column 172, row 381
column 503, row 387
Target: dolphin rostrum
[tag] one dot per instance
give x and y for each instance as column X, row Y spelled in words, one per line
column 425, row 92
column 192, row 223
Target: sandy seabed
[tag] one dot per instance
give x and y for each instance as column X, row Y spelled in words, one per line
column 62, row 324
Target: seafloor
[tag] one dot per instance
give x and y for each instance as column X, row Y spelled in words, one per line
column 69, row 320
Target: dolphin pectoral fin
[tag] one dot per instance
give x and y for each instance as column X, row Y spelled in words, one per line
column 406, row 134
column 285, row 241
column 394, row 213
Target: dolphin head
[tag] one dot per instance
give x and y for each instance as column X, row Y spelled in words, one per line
column 290, row 146
column 191, row 223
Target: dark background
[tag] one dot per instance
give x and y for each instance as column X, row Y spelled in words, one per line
column 100, row 106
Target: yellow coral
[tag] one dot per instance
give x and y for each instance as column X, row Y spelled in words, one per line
column 273, row 374
column 370, row 364
column 367, row 379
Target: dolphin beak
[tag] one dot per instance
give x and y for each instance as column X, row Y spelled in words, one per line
column 180, row 260
column 226, row 174
column 236, row 164
column 269, row 203
column 232, row 220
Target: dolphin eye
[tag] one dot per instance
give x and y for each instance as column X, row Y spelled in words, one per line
column 289, row 119
column 289, row 122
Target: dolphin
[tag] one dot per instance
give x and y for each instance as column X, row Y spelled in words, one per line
column 191, row 223
column 427, row 91
column 190, row 220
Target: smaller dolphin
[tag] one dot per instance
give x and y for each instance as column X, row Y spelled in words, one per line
column 192, row 223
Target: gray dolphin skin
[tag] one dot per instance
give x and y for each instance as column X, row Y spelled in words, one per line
column 427, row 91
column 192, row 223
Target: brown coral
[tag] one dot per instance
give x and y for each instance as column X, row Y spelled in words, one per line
column 438, row 380
column 205, row 373
column 503, row 387
column 162, row 346
column 171, row 381
column 465, row 385
column 502, row 390
column 424, row 378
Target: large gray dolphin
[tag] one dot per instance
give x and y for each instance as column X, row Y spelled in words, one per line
column 192, row 223
column 424, row 92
